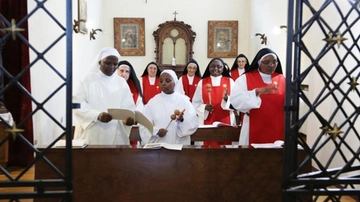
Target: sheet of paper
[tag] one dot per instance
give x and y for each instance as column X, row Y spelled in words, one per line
column 121, row 114
column 152, row 146
column 266, row 145
column 75, row 143
column 207, row 126
column 172, row 146
column 143, row 120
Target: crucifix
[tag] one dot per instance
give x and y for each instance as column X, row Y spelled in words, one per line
column 175, row 13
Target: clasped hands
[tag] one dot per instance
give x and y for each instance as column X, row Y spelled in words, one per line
column 106, row 117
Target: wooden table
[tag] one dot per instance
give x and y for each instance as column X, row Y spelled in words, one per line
column 125, row 173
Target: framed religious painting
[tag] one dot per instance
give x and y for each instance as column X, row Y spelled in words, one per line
column 129, row 36
column 82, row 16
column 222, row 39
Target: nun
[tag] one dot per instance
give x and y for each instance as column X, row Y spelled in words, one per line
column 211, row 99
column 98, row 91
column 127, row 71
column 260, row 94
column 172, row 114
column 190, row 79
column 150, row 81
column 240, row 65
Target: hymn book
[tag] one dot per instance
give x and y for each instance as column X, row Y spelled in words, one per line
column 216, row 124
column 276, row 144
column 163, row 145
column 123, row 114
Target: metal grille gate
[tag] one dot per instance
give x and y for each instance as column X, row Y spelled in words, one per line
column 335, row 86
column 334, row 182
column 64, row 183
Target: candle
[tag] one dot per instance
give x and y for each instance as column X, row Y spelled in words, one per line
column 208, row 87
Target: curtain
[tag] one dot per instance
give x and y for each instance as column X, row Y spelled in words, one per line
column 15, row 57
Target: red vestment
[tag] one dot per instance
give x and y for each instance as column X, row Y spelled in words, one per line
column 149, row 91
column 190, row 88
column 216, row 94
column 235, row 74
column 267, row 122
column 133, row 89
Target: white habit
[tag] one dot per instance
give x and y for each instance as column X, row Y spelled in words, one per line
column 96, row 93
column 159, row 109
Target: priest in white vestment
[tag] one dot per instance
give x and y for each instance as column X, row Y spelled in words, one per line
column 99, row 90
column 162, row 106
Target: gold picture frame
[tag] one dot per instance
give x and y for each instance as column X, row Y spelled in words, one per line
column 129, row 36
column 222, row 39
column 82, row 16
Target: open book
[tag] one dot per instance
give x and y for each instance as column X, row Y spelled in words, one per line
column 123, row 114
column 163, row 145
column 75, row 144
column 276, row 144
column 216, row 124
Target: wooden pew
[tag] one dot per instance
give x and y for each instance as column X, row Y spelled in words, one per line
column 130, row 173
column 220, row 134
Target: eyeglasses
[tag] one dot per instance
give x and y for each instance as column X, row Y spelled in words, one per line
column 268, row 63
column 216, row 66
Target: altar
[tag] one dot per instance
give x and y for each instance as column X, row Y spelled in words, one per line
column 130, row 173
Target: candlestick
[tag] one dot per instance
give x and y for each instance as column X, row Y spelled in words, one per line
column 225, row 91
column 208, row 87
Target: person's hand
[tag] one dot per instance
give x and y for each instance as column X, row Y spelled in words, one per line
column 225, row 94
column 104, row 117
column 162, row 132
column 266, row 90
column 209, row 107
column 180, row 116
column 129, row 121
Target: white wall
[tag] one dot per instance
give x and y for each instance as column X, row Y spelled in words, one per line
column 195, row 13
column 254, row 16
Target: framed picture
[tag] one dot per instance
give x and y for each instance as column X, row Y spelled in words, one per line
column 222, row 39
column 129, row 36
column 82, row 16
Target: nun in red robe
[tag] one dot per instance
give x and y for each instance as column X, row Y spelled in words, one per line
column 150, row 81
column 211, row 96
column 190, row 79
column 127, row 71
column 239, row 67
column 260, row 93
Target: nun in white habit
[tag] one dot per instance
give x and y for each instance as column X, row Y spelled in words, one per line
column 99, row 90
column 162, row 106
